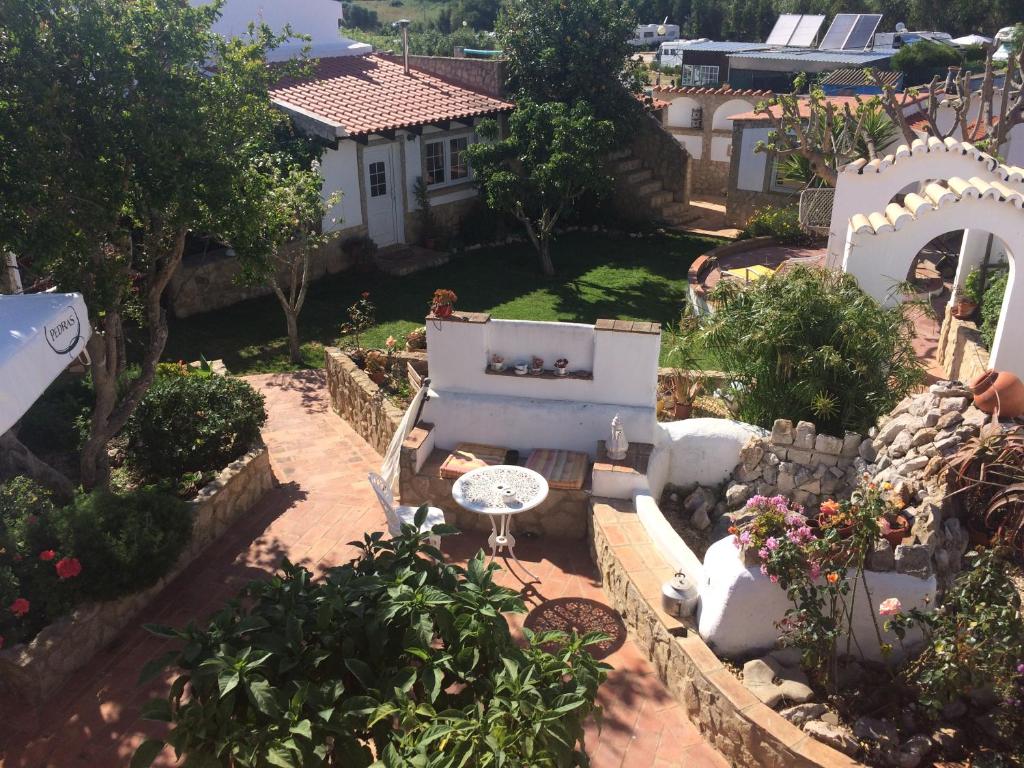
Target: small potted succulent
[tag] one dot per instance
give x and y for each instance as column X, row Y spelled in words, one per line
column 561, row 366
column 536, row 365
column 497, row 362
column 443, row 303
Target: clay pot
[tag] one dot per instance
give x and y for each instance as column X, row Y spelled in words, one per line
column 999, row 392
column 442, row 310
column 964, row 308
column 378, row 377
column 899, row 530
column 682, row 410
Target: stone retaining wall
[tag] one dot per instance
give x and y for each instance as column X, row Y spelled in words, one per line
column 359, row 401
column 33, row 672
column 705, row 263
column 747, row 732
column 961, row 352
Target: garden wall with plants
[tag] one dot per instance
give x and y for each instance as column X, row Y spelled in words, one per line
column 360, row 401
column 33, row 671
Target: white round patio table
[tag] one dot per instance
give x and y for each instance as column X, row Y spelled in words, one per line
column 500, row 492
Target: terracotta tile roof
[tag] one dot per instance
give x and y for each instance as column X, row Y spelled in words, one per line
column 722, row 90
column 368, row 94
column 976, row 129
column 838, row 101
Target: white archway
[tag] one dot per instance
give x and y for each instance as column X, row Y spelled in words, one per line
column 881, row 245
column 868, row 186
column 680, row 111
column 722, row 118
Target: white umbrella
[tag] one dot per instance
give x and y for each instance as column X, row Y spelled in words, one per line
column 972, row 40
column 40, row 335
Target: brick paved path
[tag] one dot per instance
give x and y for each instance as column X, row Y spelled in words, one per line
column 322, row 503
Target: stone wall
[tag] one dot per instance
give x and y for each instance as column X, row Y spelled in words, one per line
column 485, row 76
column 657, row 150
column 961, row 352
column 209, row 281
column 705, row 263
column 33, row 672
column 359, row 401
column 731, row 718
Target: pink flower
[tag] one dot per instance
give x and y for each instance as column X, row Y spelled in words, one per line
column 890, row 607
column 814, row 570
column 764, row 569
column 390, row 342
column 774, row 579
column 47, row 555
column 20, row 607
column 745, row 538
column 68, row 567
column 771, row 544
column 763, row 553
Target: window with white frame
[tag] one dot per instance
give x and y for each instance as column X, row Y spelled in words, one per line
column 446, row 161
column 698, row 74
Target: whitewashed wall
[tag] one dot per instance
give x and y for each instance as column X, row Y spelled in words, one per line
column 340, row 169
column 694, row 144
column 752, row 164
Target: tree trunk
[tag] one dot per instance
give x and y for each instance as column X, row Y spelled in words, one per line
column 17, row 459
column 294, row 353
column 544, row 250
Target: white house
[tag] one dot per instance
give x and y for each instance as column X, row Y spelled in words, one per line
column 384, row 128
column 318, row 19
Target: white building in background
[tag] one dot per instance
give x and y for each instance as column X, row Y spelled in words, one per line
column 654, row 34
column 319, row 19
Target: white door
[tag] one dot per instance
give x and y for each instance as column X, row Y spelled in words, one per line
column 382, row 194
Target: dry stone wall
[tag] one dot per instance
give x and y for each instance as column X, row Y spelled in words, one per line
column 359, row 401
column 32, row 672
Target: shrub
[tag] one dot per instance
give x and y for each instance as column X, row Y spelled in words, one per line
column 781, row 223
column 992, row 306
column 125, row 542
column 921, row 60
column 193, row 423
column 808, row 343
column 395, row 654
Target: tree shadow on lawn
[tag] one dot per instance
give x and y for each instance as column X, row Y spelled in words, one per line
column 634, row 277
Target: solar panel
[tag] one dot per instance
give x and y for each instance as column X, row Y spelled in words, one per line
column 837, row 33
column 863, row 31
column 806, row 30
column 784, row 28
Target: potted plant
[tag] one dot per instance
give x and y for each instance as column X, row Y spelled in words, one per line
column 416, row 339
column 894, row 527
column 536, row 365
column 686, row 386
column 964, row 306
column 443, row 303
column 561, row 366
column 838, row 516
column 687, row 379
column 497, row 362
column 376, row 366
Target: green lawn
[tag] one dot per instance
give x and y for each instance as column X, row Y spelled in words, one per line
column 598, row 276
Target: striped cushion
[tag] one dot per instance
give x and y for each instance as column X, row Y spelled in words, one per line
column 562, row 469
column 467, row 456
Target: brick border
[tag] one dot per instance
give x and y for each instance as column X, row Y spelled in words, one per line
column 747, row 732
column 33, row 672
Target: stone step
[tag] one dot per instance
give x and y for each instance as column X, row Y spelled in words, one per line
column 647, row 189
column 659, row 199
column 627, row 165
column 619, row 154
column 637, row 177
column 678, row 210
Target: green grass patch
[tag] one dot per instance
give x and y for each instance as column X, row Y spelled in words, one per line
column 598, row 276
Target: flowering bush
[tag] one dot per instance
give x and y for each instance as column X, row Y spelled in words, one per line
column 361, row 317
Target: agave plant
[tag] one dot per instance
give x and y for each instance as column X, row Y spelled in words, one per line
column 982, row 473
column 1004, row 516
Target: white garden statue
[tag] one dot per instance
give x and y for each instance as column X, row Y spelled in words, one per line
column 617, row 445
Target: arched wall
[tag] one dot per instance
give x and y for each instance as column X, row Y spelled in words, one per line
column 870, row 186
column 680, row 111
column 721, row 120
column 880, row 260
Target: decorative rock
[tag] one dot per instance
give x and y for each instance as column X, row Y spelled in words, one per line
column 867, row 451
column 786, row 481
column 836, row 736
column 924, row 436
column 914, row 559
column 901, row 444
column 949, row 389
column 751, row 453
column 831, row 718
column 759, row 678
column 782, row 432
column 770, row 473
column 851, row 444
column 913, row 750
column 931, row 418
column 975, row 417
column 828, row 444
column 799, row 714
column 700, row 497
column 913, row 465
column 950, row 404
column 744, row 475
column 949, row 420
column 803, row 437
column 736, row 495
column 799, row 456
column 881, row 558
column 881, row 732
column 700, row 519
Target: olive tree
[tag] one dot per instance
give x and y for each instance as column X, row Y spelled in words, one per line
column 550, row 158
column 123, row 127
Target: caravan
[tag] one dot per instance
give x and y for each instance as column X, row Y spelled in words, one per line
column 649, row 35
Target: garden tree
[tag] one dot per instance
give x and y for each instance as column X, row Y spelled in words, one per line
column 808, row 343
column 283, row 229
column 922, row 60
column 816, row 136
column 124, row 127
column 567, row 50
column 476, row 14
column 398, row 658
column 552, row 155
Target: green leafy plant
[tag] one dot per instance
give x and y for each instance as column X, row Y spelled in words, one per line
column 397, row 650
column 992, row 306
column 781, row 223
column 803, row 335
column 425, row 212
column 193, row 423
column 361, row 317
column 125, row 542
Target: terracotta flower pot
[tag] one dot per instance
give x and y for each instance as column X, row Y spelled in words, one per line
column 964, row 308
column 442, row 310
column 899, row 530
column 682, row 410
column 999, row 392
column 378, row 377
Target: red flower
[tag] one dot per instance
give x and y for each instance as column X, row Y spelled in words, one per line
column 68, row 567
column 1, row 642
column 20, row 607
column 366, row 294
column 47, row 555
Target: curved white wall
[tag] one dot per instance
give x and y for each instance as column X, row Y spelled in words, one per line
column 680, row 111
column 721, row 121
